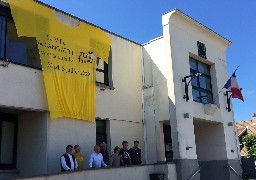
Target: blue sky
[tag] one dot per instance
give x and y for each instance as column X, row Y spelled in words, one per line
column 140, row 21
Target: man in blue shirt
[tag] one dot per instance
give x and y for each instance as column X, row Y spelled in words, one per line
column 96, row 158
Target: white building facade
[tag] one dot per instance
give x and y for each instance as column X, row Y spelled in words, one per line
column 139, row 97
column 201, row 132
column 40, row 141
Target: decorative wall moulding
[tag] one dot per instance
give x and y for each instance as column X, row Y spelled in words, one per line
column 210, row 109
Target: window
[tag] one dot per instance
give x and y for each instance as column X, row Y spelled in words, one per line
column 201, row 85
column 8, row 140
column 24, row 50
column 103, row 71
column 101, row 135
column 20, row 50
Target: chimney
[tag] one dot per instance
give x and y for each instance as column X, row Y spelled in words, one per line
column 254, row 118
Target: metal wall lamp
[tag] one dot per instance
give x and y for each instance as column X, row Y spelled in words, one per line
column 228, row 100
column 186, row 96
column 188, row 147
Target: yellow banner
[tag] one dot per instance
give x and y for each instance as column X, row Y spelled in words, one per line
column 68, row 55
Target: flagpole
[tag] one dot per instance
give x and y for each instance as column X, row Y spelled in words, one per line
column 223, row 86
column 236, row 69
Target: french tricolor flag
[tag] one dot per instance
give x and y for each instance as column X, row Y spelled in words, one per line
column 232, row 85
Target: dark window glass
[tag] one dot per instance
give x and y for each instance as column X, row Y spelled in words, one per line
column 206, row 97
column 8, row 141
column 203, row 97
column 194, row 81
column 2, row 36
column 201, row 85
column 19, row 50
column 195, row 93
column 16, row 50
column 102, row 70
column 205, row 82
column 203, row 68
column 192, row 64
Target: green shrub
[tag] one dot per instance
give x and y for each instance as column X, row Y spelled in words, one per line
column 249, row 141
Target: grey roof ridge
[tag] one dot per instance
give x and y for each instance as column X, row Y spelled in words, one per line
column 152, row 40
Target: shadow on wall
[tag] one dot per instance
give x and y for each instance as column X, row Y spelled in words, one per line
column 157, row 104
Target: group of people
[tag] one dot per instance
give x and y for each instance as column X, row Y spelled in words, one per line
column 71, row 161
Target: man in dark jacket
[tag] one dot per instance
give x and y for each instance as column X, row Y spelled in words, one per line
column 104, row 152
column 135, row 154
column 68, row 161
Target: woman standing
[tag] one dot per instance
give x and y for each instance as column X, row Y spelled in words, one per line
column 115, row 158
column 79, row 157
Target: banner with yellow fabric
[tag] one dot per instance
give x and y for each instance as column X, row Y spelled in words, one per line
column 68, row 56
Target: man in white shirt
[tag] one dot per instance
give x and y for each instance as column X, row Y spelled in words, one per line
column 68, row 161
column 96, row 158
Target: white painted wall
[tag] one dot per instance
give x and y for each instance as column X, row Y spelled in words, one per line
column 126, row 131
column 22, row 87
column 150, row 126
column 156, row 103
column 181, row 33
column 123, row 173
column 160, row 143
column 62, row 132
column 32, row 143
column 155, row 61
column 166, row 62
column 125, row 101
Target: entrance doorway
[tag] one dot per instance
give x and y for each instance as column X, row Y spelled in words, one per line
column 211, row 150
column 168, row 143
column 101, row 133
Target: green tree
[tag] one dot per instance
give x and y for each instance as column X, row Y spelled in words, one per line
column 249, row 141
